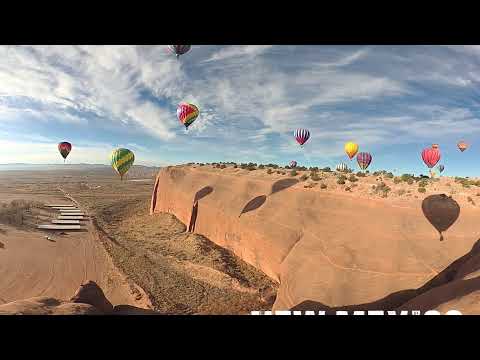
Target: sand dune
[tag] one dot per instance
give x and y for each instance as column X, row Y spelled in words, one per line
column 331, row 246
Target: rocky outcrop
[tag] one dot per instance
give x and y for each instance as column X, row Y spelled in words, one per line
column 325, row 247
column 89, row 299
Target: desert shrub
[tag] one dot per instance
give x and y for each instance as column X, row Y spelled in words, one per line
column 293, row 173
column 410, row 181
column 397, row 180
column 314, row 169
column 367, row 171
column 269, row 171
column 400, row 192
column 323, row 186
column 314, row 176
column 360, row 174
column 348, row 188
column 14, row 212
column 261, row 166
column 303, row 177
column 273, row 166
column 377, row 173
column 342, row 177
column 308, row 186
column 421, row 190
column 382, row 189
column 423, row 183
column 389, row 175
column 301, row 168
column 352, row 178
column 279, row 172
column 340, row 181
column 326, row 169
column 235, row 166
column 223, row 166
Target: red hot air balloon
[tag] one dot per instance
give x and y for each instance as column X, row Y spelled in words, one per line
column 301, row 135
column 187, row 113
column 430, row 157
column 64, row 148
column 364, row 159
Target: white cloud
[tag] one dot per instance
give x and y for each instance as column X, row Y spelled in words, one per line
column 233, row 51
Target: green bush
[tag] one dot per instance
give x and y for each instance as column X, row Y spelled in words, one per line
column 326, row 169
column 340, row 181
column 382, row 189
column 423, row 183
column 261, row 166
column 315, row 177
column 360, row 174
column 323, row 186
column 303, row 177
column 293, row 173
column 389, row 175
column 397, row 180
column 269, row 171
column 421, row 190
column 352, row 178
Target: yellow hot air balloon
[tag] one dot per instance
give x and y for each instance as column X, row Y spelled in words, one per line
column 351, row 149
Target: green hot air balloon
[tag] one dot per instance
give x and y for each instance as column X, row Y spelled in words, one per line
column 122, row 160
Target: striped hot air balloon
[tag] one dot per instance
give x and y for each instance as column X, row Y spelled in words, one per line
column 179, row 49
column 342, row 167
column 293, row 164
column 462, row 146
column 64, row 148
column 431, row 157
column 351, row 149
column 440, row 168
column 301, row 135
column 364, row 159
column 187, row 114
column 122, row 160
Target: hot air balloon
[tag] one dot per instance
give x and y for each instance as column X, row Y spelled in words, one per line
column 440, row 168
column 430, row 157
column 293, row 164
column 364, row 159
column 351, row 149
column 179, row 49
column 462, row 146
column 342, row 167
column 441, row 211
column 122, row 160
column 301, row 135
column 434, row 146
column 64, row 148
column 187, row 113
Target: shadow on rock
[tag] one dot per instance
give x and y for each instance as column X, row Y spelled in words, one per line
column 282, row 185
column 207, row 190
column 446, row 286
column 441, row 211
column 254, row 204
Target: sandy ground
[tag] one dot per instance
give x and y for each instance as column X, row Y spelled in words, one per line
column 124, row 246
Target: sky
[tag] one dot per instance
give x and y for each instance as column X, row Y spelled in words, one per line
column 391, row 100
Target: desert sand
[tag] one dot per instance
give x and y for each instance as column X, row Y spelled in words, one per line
column 332, row 247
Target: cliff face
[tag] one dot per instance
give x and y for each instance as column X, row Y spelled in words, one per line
column 328, row 247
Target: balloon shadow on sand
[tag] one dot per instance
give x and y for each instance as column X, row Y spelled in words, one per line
column 452, row 283
column 254, row 204
column 282, row 185
column 441, row 211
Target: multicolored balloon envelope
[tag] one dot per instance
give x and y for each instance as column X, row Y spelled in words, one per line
column 301, row 135
column 351, row 149
column 64, row 148
column 122, row 160
column 364, row 159
column 293, row 164
column 187, row 114
column 431, row 157
column 434, row 146
column 179, row 49
column 440, row 168
column 462, row 146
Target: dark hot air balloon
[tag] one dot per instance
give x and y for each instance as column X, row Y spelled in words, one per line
column 441, row 211
column 64, row 148
column 364, row 159
column 293, row 164
column 179, row 49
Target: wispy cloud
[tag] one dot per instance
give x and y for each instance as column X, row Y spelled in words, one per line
column 233, row 51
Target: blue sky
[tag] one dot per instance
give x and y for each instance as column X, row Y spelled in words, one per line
column 392, row 100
